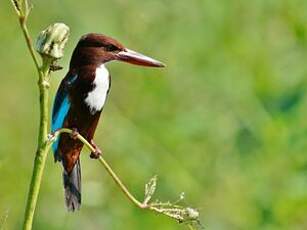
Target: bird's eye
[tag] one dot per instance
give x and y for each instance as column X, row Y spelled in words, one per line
column 111, row 47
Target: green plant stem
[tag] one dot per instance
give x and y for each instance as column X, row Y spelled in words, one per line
column 43, row 84
column 39, row 164
column 42, row 150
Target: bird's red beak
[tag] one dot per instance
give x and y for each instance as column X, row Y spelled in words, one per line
column 135, row 58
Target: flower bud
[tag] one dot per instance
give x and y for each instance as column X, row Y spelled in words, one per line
column 51, row 41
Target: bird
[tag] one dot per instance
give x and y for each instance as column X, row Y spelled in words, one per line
column 79, row 101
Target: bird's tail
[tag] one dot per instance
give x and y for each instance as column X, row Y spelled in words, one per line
column 72, row 186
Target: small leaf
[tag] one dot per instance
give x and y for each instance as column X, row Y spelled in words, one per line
column 150, row 189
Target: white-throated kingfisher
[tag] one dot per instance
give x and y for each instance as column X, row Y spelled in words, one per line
column 80, row 99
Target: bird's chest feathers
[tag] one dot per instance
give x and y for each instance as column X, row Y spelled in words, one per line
column 97, row 96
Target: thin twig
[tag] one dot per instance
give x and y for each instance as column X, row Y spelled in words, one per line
column 121, row 185
column 25, row 31
column 174, row 211
column 103, row 162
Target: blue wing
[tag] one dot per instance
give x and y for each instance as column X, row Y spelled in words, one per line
column 59, row 117
column 61, row 107
column 60, row 110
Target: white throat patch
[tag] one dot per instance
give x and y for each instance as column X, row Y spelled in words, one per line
column 97, row 97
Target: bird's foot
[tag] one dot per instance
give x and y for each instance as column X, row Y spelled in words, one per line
column 55, row 67
column 74, row 134
column 96, row 154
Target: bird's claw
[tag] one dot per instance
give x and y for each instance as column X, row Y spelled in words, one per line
column 74, row 134
column 96, row 154
column 55, row 67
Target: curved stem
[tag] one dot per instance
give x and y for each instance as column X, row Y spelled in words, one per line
column 120, row 184
column 105, row 165
column 174, row 211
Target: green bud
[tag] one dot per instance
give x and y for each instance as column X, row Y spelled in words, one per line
column 51, row 41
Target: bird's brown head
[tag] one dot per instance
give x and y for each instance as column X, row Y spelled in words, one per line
column 96, row 49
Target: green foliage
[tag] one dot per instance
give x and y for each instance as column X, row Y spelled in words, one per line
column 225, row 121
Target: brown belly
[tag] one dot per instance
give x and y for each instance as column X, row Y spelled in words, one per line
column 69, row 148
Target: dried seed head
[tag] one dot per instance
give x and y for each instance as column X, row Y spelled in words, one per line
column 192, row 213
column 51, row 41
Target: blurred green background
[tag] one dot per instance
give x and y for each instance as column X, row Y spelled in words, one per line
column 225, row 122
